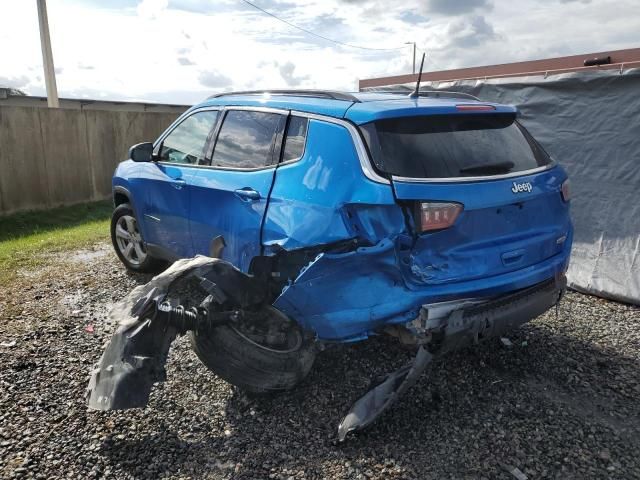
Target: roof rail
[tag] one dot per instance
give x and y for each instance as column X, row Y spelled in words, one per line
column 296, row 93
column 428, row 93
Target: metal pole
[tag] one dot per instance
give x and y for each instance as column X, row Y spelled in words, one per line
column 47, row 56
column 414, row 55
column 414, row 58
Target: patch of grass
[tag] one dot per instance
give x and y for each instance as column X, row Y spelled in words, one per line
column 25, row 238
column 42, row 221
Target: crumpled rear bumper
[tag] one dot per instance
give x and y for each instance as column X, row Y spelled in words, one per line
column 346, row 296
column 476, row 322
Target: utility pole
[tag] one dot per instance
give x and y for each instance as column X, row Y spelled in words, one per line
column 414, row 55
column 47, row 56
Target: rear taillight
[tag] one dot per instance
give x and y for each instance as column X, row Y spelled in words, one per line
column 566, row 191
column 437, row 215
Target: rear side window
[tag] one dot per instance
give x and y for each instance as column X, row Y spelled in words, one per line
column 185, row 143
column 246, row 139
column 445, row 146
column 295, row 140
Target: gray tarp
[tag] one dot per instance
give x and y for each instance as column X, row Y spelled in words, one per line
column 590, row 123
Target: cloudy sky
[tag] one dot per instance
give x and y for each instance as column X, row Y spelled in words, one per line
column 180, row 51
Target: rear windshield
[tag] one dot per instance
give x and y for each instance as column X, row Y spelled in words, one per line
column 445, row 146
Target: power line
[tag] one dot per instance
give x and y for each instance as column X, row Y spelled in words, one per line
column 309, row 32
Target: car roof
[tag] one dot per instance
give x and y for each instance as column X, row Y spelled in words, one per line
column 359, row 107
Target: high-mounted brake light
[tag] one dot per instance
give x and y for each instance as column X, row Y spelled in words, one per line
column 566, row 191
column 474, row 108
column 437, row 215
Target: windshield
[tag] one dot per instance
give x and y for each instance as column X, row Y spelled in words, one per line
column 445, row 146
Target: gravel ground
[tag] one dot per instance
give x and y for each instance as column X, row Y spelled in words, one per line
column 562, row 402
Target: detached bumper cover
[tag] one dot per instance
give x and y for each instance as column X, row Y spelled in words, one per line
column 378, row 400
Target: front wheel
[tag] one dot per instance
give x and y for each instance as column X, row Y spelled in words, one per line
column 128, row 243
column 270, row 355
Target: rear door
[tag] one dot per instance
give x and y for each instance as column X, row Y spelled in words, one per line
column 229, row 196
column 483, row 196
column 163, row 194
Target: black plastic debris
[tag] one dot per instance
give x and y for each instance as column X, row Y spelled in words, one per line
column 377, row 400
column 135, row 356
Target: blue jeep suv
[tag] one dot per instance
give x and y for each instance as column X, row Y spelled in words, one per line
column 436, row 218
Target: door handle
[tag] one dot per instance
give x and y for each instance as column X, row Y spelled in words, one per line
column 178, row 183
column 247, row 194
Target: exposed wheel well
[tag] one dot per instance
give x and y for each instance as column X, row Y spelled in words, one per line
column 119, row 198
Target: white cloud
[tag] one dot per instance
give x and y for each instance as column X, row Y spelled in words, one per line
column 14, row 82
column 214, row 79
column 447, row 7
column 151, row 9
column 181, row 51
column 287, row 72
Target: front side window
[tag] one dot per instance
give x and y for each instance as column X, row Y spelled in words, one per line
column 246, row 139
column 295, row 139
column 185, row 144
column 445, row 146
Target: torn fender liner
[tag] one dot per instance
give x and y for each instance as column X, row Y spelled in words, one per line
column 134, row 358
column 132, row 362
column 377, row 400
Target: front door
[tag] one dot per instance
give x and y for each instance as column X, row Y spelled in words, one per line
column 229, row 198
column 167, row 190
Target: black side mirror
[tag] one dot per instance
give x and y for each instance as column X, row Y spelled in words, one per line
column 142, row 152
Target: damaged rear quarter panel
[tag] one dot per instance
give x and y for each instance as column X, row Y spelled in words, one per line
column 324, row 197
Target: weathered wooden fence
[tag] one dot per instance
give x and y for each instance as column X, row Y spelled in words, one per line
column 51, row 157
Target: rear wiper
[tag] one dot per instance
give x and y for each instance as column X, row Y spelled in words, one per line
column 497, row 167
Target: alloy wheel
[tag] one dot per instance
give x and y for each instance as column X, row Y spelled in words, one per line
column 129, row 240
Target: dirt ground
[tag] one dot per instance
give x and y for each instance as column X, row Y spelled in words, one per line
column 562, row 402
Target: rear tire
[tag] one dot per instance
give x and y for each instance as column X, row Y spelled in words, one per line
column 129, row 244
column 255, row 368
